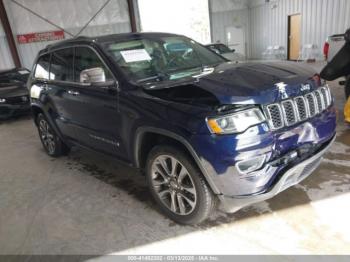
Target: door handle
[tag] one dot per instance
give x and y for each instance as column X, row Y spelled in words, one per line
column 73, row 93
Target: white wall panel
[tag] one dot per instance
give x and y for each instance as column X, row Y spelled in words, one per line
column 320, row 19
column 5, row 55
column 221, row 20
column 71, row 15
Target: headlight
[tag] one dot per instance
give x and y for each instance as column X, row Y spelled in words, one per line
column 2, row 100
column 237, row 122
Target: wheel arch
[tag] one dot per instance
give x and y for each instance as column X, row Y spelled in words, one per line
column 159, row 136
column 38, row 109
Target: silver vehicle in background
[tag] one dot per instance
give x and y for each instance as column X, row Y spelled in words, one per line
column 226, row 52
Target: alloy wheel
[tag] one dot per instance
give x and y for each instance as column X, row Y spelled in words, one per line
column 173, row 185
column 47, row 136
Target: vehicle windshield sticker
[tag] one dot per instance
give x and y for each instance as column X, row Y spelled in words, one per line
column 135, row 55
column 23, row 72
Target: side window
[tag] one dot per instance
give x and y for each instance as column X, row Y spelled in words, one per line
column 62, row 65
column 86, row 58
column 42, row 67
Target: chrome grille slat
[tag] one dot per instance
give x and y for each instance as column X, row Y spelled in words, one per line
column 289, row 111
column 301, row 108
column 320, row 101
column 311, row 102
column 275, row 119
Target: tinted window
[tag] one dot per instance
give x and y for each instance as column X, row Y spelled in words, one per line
column 42, row 67
column 62, row 65
column 86, row 58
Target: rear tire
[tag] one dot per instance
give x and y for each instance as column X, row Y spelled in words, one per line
column 52, row 144
column 178, row 186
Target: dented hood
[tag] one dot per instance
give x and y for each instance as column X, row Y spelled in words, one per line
column 248, row 83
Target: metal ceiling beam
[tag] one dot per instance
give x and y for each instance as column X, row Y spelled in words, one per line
column 132, row 17
column 9, row 35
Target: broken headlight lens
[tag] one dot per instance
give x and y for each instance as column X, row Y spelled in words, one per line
column 237, row 122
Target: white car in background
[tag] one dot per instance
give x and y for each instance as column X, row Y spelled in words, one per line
column 226, row 52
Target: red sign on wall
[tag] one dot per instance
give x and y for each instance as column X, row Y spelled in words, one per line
column 40, row 37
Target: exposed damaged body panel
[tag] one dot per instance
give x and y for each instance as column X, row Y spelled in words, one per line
column 246, row 83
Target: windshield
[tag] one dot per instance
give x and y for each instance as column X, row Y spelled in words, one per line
column 164, row 58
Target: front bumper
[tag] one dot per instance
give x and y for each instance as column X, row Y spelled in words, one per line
column 219, row 155
column 8, row 111
column 291, row 177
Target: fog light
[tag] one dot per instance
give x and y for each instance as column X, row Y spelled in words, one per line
column 2, row 100
column 250, row 165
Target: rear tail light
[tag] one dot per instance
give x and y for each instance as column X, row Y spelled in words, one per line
column 326, row 50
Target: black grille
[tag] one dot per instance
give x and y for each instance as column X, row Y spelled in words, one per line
column 18, row 100
column 301, row 108
column 289, row 112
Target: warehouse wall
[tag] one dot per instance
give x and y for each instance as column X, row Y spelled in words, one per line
column 224, row 13
column 5, row 56
column 71, row 15
column 320, row 18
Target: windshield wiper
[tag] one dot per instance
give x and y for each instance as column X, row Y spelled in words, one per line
column 160, row 76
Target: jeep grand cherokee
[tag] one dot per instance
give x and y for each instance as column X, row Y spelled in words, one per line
column 202, row 128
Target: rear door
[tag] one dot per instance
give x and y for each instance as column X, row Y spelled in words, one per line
column 61, row 81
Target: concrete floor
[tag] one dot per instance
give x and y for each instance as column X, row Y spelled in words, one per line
column 88, row 204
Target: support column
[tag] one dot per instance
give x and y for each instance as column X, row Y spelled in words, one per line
column 132, row 16
column 9, row 35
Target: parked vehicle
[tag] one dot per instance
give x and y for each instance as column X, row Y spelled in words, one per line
column 14, row 96
column 226, row 52
column 332, row 46
column 202, row 128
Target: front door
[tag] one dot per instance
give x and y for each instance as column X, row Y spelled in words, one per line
column 95, row 106
column 294, row 37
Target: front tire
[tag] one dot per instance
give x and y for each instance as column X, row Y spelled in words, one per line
column 178, row 186
column 52, row 144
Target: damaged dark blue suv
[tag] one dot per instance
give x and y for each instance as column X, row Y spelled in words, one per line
column 205, row 130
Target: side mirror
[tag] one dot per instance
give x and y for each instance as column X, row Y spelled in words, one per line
column 93, row 76
column 96, row 77
column 347, row 36
column 233, row 50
